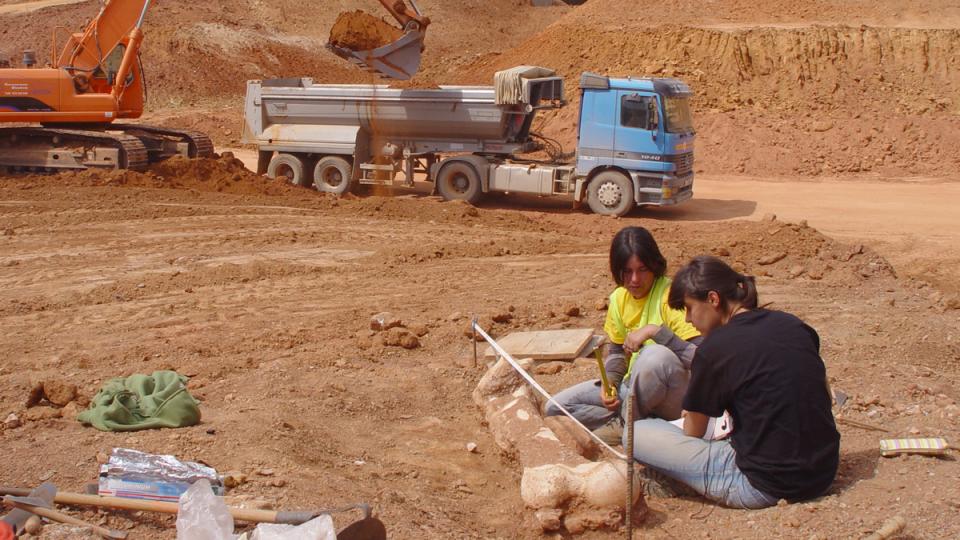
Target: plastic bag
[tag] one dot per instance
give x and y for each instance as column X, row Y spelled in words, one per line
column 318, row 528
column 201, row 515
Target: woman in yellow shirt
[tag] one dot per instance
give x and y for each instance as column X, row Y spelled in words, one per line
column 650, row 345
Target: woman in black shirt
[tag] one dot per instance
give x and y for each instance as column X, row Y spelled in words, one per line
column 764, row 368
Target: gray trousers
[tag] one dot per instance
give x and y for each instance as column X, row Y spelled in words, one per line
column 658, row 381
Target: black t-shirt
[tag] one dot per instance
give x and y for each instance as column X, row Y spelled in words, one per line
column 765, row 368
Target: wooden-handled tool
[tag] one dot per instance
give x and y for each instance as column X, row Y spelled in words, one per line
column 608, row 389
column 54, row 515
column 240, row 514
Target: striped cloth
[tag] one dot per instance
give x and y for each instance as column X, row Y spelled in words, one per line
column 928, row 445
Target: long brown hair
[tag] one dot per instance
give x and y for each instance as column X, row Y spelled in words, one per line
column 704, row 274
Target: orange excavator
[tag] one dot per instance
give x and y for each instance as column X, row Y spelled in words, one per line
column 77, row 98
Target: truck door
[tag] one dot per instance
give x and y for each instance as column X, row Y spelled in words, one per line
column 638, row 141
column 597, row 125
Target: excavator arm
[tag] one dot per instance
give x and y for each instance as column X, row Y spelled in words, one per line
column 107, row 48
column 360, row 41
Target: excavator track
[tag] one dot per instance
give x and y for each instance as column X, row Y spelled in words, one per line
column 50, row 150
column 198, row 144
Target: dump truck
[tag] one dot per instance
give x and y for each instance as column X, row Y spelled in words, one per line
column 635, row 138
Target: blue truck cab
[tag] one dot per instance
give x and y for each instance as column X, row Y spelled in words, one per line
column 635, row 143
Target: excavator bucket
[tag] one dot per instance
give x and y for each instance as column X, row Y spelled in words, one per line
column 397, row 60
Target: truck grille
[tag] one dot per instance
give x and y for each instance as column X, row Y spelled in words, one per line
column 684, row 163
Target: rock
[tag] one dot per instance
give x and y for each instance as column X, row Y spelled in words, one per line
column 384, row 321
column 602, row 305
column 549, row 518
column 12, row 421
column 102, row 458
column 70, row 411
column 400, row 337
column 266, row 472
column 586, row 362
column 41, row 413
column 472, row 447
column 33, row 525
column 278, row 482
column 772, row 258
column 721, row 252
column 822, row 125
column 503, row 317
column 550, row 368
column 572, row 310
column 455, row 316
column 58, row 392
column 795, row 271
column 409, row 341
column 769, row 217
column 419, row 330
column 36, row 394
column 233, row 479
column 951, row 302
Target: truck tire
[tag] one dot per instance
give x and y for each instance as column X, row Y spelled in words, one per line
column 332, row 174
column 610, row 194
column 459, row 181
column 287, row 166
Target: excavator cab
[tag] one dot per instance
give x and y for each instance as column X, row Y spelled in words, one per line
column 376, row 46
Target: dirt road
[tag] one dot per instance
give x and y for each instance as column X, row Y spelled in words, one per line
column 910, row 221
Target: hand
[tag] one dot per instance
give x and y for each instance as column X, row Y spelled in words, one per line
column 611, row 402
column 635, row 339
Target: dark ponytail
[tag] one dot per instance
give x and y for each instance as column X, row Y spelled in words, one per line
column 704, row 274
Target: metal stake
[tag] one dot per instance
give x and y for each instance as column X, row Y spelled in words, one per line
column 629, row 505
column 474, row 327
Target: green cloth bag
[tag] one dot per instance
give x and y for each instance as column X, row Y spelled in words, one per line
column 143, row 402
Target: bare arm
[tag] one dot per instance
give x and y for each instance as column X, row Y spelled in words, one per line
column 694, row 424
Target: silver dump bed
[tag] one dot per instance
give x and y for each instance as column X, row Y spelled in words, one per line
column 295, row 115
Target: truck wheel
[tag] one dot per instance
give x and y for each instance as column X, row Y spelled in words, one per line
column 287, row 166
column 459, row 181
column 610, row 194
column 332, row 175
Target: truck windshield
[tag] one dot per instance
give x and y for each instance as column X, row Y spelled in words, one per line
column 678, row 115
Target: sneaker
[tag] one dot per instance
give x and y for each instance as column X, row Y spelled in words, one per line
column 611, row 432
column 659, row 485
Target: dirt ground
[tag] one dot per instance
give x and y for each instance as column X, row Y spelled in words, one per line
column 839, row 118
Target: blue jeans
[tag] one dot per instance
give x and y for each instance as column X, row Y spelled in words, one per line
column 708, row 467
column 658, row 380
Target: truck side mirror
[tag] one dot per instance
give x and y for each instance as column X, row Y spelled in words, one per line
column 653, row 115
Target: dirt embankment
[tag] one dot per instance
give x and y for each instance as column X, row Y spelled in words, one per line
column 834, row 99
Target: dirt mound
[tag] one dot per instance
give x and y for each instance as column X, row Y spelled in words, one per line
column 224, row 175
column 361, row 31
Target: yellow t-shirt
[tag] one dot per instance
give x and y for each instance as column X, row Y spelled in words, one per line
column 631, row 313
